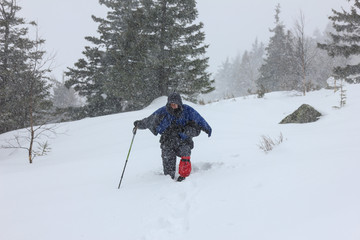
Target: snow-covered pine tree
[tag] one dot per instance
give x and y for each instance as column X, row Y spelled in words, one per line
column 237, row 77
column 278, row 71
column 224, row 81
column 322, row 65
column 23, row 87
column 345, row 41
column 178, row 53
column 248, row 71
column 109, row 73
column 146, row 49
column 63, row 97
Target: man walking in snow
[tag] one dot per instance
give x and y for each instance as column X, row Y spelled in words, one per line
column 177, row 123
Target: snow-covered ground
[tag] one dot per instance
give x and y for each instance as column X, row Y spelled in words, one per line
column 306, row 188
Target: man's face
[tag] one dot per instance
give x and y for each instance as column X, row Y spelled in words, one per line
column 174, row 106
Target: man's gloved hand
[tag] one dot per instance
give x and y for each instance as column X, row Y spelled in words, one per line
column 136, row 123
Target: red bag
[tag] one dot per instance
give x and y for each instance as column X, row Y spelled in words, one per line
column 185, row 167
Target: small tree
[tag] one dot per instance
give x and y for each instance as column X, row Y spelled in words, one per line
column 38, row 89
column 24, row 89
column 304, row 51
column 342, row 94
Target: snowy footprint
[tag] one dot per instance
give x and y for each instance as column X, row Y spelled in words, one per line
column 205, row 166
column 174, row 208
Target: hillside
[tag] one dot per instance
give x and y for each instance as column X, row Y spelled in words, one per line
column 306, row 188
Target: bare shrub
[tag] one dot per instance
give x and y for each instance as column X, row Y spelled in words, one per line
column 34, row 142
column 267, row 143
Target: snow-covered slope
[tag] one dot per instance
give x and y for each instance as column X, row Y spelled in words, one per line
column 306, row 188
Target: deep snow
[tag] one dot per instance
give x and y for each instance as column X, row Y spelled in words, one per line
column 306, row 188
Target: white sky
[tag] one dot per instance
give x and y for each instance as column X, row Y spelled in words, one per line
column 231, row 26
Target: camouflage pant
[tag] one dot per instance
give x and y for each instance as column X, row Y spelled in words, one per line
column 169, row 154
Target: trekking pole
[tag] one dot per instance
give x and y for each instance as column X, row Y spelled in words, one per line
column 127, row 158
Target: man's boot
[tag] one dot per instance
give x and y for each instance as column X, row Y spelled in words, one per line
column 184, row 168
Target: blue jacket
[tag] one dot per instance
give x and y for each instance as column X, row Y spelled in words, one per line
column 183, row 122
column 188, row 115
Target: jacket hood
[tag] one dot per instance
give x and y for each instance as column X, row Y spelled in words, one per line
column 174, row 98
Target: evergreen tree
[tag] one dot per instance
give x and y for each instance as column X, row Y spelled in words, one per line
column 323, row 64
column 292, row 79
column 23, row 88
column 278, row 71
column 224, row 80
column 146, row 49
column 63, row 97
column 179, row 61
column 248, row 71
column 346, row 41
column 238, row 77
column 103, row 76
